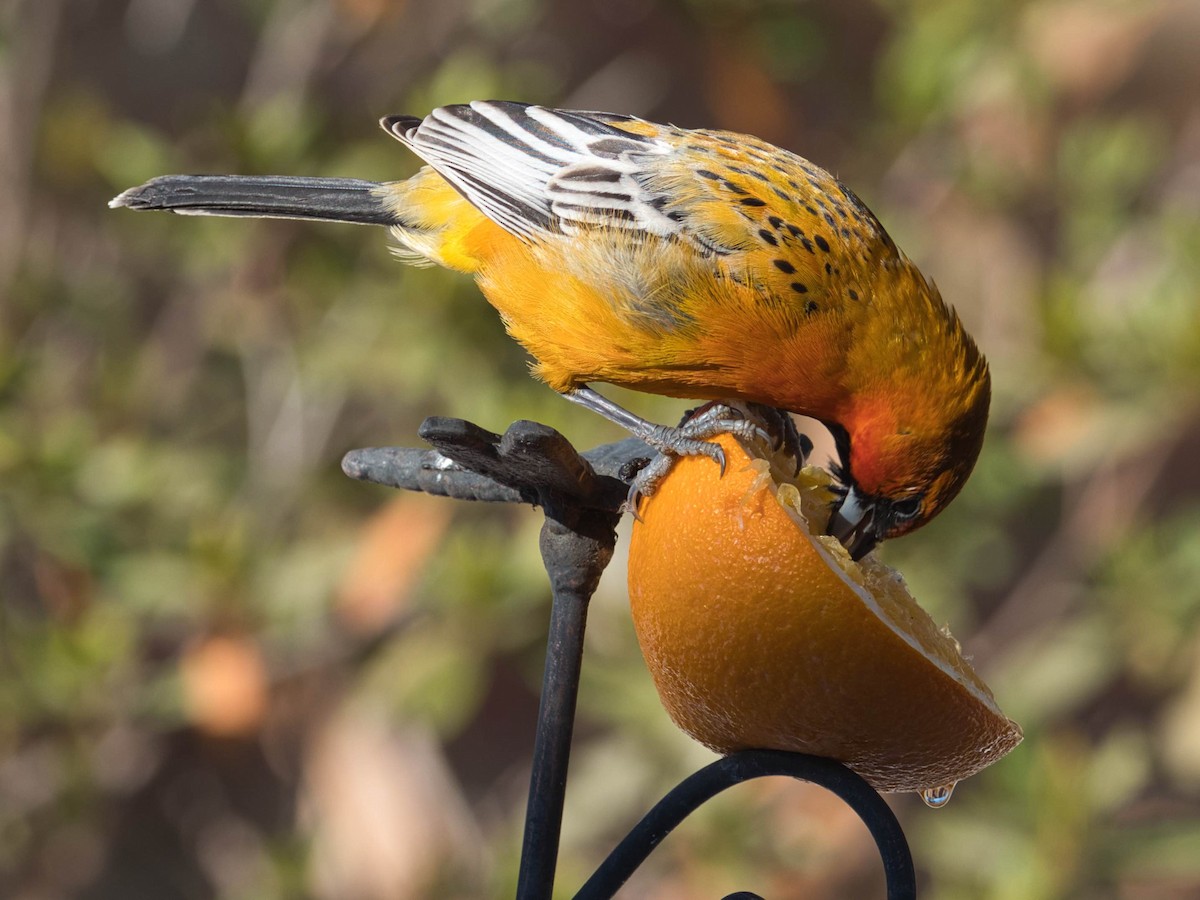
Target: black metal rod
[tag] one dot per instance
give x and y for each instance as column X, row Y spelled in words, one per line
column 695, row 790
column 576, row 546
column 552, row 747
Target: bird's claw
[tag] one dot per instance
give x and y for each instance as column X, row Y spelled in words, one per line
column 646, row 482
column 690, row 438
column 783, row 433
column 753, row 423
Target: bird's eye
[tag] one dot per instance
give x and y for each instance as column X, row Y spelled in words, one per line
column 906, row 508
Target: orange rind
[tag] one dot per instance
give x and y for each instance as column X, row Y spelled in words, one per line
column 761, row 632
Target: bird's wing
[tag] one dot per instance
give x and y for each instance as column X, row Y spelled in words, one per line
column 537, row 171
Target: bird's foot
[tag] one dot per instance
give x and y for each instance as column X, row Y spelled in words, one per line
column 751, row 422
column 692, row 437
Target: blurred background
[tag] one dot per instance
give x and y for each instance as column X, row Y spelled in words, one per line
column 227, row 671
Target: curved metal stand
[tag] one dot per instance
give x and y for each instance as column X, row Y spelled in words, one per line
column 582, row 496
column 702, row 786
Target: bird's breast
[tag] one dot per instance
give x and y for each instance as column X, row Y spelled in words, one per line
column 657, row 315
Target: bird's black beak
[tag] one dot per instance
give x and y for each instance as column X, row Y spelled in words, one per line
column 852, row 523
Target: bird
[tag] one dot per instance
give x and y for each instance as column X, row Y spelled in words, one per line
column 693, row 263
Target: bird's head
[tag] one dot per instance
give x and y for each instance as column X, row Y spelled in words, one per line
column 908, row 446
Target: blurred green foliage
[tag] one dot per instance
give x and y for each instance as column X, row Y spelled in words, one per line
column 192, row 675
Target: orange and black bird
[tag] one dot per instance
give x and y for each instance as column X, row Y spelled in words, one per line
column 695, row 264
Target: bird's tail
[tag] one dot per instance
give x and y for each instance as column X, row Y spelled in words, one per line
column 264, row 196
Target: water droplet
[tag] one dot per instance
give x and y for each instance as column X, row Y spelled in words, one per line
column 937, row 797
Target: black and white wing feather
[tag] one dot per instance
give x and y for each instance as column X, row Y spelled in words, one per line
column 537, row 171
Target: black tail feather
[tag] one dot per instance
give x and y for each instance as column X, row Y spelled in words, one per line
column 263, row 196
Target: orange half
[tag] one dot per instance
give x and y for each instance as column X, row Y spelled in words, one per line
column 761, row 632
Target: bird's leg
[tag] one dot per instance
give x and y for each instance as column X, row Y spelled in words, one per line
column 689, row 438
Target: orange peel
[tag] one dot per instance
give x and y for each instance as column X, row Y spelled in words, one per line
column 761, row 632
